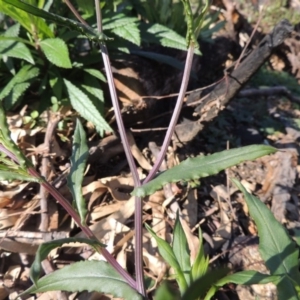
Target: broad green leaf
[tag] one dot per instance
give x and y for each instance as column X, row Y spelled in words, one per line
column 203, row 166
column 95, row 73
column 275, row 245
column 168, row 255
column 117, row 20
column 80, row 152
column 85, row 107
column 166, row 292
column 45, row 248
column 130, row 33
column 31, row 24
column 201, row 262
column 86, row 275
column 199, row 288
column 181, row 250
column 168, row 37
column 56, row 52
column 11, row 48
column 244, row 277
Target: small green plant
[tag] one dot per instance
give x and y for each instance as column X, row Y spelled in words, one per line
column 109, row 277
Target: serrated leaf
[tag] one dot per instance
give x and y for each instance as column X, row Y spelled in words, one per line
column 26, row 73
column 86, row 275
column 7, row 142
column 117, row 20
column 45, row 248
column 129, row 32
column 203, row 166
column 275, row 246
column 80, row 152
column 13, row 175
column 201, row 262
column 181, row 249
column 11, row 48
column 85, row 107
column 168, row 37
column 56, row 52
column 245, row 278
column 168, row 255
column 93, row 89
column 18, row 85
column 95, row 73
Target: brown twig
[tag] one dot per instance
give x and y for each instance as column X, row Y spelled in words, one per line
column 52, row 123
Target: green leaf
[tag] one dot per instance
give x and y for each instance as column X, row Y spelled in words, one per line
column 14, row 175
column 95, row 73
column 276, row 247
column 56, row 52
column 130, row 33
column 181, row 249
column 244, row 277
column 18, row 85
column 201, row 262
column 168, row 255
column 88, row 31
column 85, row 107
column 31, row 24
column 11, row 48
column 166, row 292
column 45, row 248
column 93, row 89
column 7, row 142
column 168, row 37
column 80, row 152
column 86, row 275
column 203, row 166
column 199, row 287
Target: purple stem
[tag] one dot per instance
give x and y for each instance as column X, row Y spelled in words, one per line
column 70, row 210
column 173, row 122
column 138, row 254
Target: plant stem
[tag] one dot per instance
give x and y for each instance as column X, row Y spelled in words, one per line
column 171, row 128
column 138, row 201
column 85, row 229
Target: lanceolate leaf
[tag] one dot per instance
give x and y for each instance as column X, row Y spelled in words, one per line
column 201, row 262
column 79, row 156
column 87, row 275
column 7, row 142
column 45, row 248
column 85, row 107
column 203, row 166
column 168, row 255
column 56, row 52
column 244, row 277
column 15, row 175
column 275, row 246
column 199, row 288
column 181, row 250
